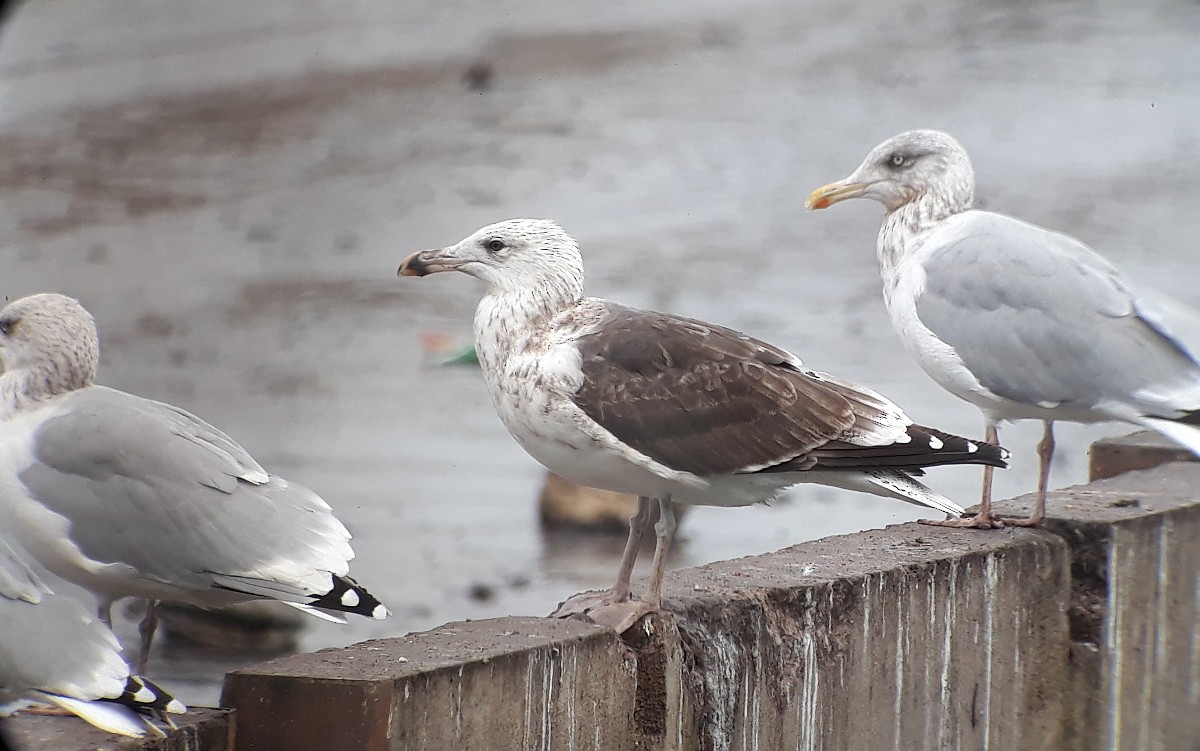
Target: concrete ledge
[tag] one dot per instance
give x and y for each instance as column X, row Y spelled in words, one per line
column 909, row 637
column 199, row 730
column 881, row 639
column 1135, row 606
column 1145, row 449
column 508, row 683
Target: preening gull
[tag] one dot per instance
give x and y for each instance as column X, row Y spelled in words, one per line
column 669, row 408
column 131, row 497
column 1022, row 322
column 52, row 649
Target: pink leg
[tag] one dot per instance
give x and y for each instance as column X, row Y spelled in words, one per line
column 1045, row 450
column 665, row 531
column 637, row 527
column 614, row 607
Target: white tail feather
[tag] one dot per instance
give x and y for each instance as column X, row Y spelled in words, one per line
column 904, row 487
column 313, row 611
column 1185, row 435
column 109, row 717
column 887, row 484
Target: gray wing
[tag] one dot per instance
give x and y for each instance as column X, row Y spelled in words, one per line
column 50, row 642
column 1040, row 318
column 709, row 400
column 155, row 488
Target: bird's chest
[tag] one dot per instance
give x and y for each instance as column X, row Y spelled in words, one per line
column 904, row 281
column 17, row 433
column 529, row 385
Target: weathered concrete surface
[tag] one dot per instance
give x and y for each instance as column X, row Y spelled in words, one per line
column 1109, row 457
column 911, row 637
column 1135, row 606
column 506, row 683
column 199, row 730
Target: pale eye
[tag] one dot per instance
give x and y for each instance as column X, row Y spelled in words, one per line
column 495, row 245
column 898, row 160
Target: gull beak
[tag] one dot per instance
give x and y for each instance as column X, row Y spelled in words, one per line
column 827, row 195
column 425, row 262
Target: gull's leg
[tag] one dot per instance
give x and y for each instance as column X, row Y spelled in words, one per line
column 1045, row 450
column 613, row 607
column 146, row 629
column 991, row 435
column 984, row 518
column 637, row 528
column 665, row 531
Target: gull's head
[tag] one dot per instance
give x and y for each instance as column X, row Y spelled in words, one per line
column 53, row 335
column 905, row 168
column 518, row 254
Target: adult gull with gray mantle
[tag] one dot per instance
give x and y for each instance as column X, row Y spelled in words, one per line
column 669, row 408
column 131, row 497
column 1022, row 322
column 53, row 650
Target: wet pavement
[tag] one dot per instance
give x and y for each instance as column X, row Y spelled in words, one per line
column 231, row 195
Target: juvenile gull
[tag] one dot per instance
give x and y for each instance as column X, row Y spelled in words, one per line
column 669, row 408
column 52, row 650
column 130, row 497
column 1022, row 322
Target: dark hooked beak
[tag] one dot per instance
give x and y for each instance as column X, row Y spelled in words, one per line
column 425, row 262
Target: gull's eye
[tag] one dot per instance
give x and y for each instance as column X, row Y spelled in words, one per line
column 5, row 327
column 899, row 160
column 495, row 245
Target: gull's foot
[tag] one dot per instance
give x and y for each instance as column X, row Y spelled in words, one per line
column 584, row 602
column 1028, row 521
column 978, row 521
column 605, row 609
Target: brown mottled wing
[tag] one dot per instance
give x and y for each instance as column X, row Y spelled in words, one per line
column 706, row 399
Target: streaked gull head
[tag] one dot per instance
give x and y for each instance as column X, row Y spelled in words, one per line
column 513, row 255
column 905, row 168
column 52, row 339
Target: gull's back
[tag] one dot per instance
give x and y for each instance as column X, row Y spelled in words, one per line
column 1041, row 319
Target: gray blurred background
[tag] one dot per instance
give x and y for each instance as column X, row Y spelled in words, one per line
column 229, row 187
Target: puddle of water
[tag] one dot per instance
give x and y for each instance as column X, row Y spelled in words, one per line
column 238, row 246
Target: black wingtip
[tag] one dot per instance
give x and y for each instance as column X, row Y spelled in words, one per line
column 348, row 597
column 953, row 449
column 1189, row 418
column 147, row 697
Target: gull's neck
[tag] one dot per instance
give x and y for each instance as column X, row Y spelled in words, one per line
column 510, row 319
column 25, row 388
column 904, row 227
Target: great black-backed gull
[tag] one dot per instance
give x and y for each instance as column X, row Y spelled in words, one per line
column 669, row 408
column 1022, row 322
column 131, row 497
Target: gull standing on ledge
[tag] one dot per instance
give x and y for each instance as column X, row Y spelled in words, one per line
column 52, row 650
column 130, row 497
column 1022, row 322
column 669, row 408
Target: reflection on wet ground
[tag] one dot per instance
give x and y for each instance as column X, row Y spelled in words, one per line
column 231, row 197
